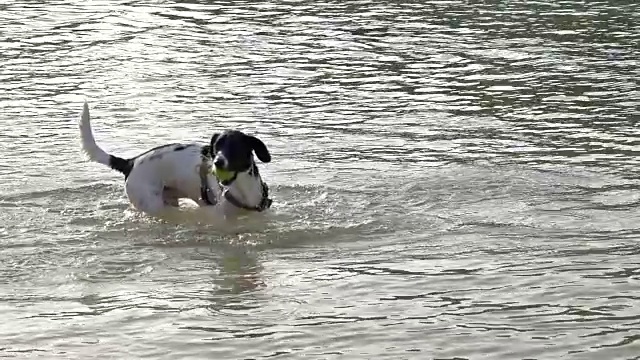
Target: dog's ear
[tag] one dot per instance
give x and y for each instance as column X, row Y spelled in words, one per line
column 259, row 148
column 212, row 143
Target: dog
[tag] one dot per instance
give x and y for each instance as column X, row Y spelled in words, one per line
column 156, row 179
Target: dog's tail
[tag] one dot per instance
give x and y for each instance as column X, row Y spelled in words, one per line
column 94, row 151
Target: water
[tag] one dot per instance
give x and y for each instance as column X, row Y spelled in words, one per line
column 450, row 180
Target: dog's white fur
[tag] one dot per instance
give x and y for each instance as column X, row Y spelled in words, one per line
column 247, row 189
column 159, row 177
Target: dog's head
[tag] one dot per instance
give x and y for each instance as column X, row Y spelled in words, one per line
column 233, row 150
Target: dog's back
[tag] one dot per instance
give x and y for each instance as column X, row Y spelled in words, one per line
column 175, row 166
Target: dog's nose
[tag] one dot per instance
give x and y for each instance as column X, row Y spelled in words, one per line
column 218, row 162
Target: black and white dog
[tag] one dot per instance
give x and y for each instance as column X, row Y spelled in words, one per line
column 156, row 179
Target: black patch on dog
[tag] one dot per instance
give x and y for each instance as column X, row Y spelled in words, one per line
column 238, row 148
column 156, row 149
column 126, row 165
column 259, row 148
column 182, row 147
column 156, row 156
column 122, row 165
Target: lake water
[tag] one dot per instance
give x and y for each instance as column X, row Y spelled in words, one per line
column 450, row 180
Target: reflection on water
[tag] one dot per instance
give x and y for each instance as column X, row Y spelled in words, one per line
column 451, row 180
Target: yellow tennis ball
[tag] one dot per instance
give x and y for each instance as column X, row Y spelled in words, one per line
column 223, row 175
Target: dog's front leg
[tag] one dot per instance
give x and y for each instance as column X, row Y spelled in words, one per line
column 209, row 188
